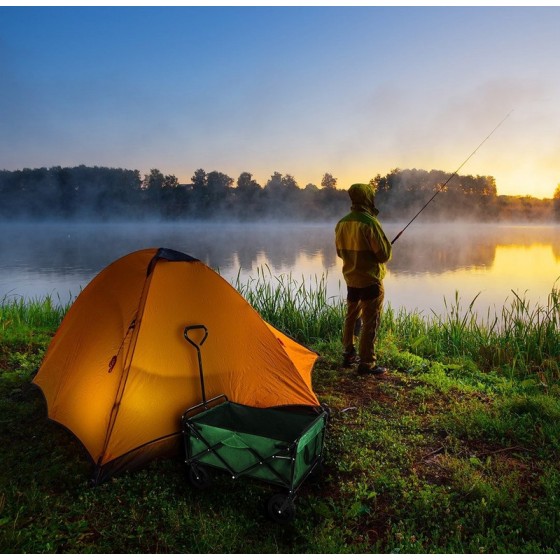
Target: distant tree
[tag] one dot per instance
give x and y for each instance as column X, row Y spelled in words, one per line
column 274, row 184
column 289, row 183
column 218, row 183
column 151, row 192
column 154, row 180
column 280, row 196
column 406, row 191
column 309, row 207
column 107, row 193
column 172, row 202
column 199, row 195
column 379, row 184
column 328, row 181
column 199, row 180
column 218, row 187
column 126, row 192
column 281, row 184
column 556, row 203
column 68, row 192
column 160, row 194
column 247, row 196
column 246, row 183
column 170, row 182
column 489, row 188
column 332, row 203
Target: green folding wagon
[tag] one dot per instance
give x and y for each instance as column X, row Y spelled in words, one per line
column 281, row 446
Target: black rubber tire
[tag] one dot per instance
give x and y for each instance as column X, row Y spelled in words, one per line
column 281, row 509
column 199, row 477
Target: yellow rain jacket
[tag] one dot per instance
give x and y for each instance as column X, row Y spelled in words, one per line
column 360, row 241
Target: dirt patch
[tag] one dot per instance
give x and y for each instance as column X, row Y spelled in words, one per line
column 360, row 390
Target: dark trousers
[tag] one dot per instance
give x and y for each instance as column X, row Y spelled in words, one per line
column 364, row 304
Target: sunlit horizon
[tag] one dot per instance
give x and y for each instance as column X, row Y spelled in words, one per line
column 506, row 183
column 304, row 91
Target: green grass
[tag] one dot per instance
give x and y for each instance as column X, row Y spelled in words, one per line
column 301, row 310
column 26, row 327
column 456, row 450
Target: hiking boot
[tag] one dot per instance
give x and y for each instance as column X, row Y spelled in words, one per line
column 349, row 359
column 371, row 370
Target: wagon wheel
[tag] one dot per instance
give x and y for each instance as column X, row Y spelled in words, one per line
column 281, row 509
column 199, row 477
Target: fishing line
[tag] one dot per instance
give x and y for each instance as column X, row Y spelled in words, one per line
column 451, row 177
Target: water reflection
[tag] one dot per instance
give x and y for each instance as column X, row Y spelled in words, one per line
column 92, row 246
column 429, row 262
column 443, row 248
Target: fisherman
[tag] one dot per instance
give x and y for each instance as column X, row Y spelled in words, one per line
column 364, row 249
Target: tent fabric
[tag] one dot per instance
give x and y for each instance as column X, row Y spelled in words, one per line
column 119, row 373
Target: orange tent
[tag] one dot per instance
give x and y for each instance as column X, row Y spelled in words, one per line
column 119, row 374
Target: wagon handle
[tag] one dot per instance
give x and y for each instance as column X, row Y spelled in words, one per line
column 192, row 328
column 197, row 346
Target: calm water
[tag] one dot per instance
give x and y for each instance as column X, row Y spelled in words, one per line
column 430, row 263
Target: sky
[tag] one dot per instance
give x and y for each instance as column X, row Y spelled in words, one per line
column 350, row 91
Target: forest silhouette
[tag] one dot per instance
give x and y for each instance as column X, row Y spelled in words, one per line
column 115, row 194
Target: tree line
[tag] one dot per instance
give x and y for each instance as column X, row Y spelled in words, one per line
column 102, row 193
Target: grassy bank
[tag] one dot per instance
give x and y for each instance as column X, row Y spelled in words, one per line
column 457, row 449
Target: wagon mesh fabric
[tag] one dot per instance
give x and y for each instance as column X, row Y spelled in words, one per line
column 278, row 446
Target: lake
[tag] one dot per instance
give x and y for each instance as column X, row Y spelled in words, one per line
column 430, row 262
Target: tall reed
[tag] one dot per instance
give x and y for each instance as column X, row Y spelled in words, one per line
column 301, row 309
column 18, row 315
column 522, row 340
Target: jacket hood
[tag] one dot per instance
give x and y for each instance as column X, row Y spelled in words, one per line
column 363, row 198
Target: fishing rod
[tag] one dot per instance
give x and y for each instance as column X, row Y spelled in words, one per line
column 449, row 178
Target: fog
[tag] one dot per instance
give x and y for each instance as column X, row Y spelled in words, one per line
column 430, row 261
column 423, row 247
column 81, row 193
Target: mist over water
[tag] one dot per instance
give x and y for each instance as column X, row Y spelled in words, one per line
column 430, row 262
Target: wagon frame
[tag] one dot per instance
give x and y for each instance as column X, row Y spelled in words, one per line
column 282, row 446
